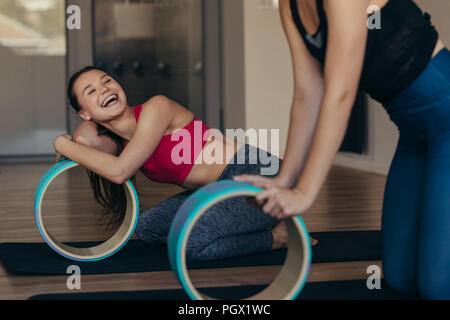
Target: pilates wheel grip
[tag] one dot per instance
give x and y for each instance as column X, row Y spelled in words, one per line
column 292, row 277
column 101, row 251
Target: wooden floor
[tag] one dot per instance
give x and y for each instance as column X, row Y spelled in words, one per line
column 350, row 200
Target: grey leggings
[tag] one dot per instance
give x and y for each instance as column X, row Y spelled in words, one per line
column 229, row 228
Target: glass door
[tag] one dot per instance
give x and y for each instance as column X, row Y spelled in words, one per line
column 32, row 76
column 151, row 48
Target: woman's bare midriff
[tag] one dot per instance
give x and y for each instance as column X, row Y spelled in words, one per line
column 208, row 169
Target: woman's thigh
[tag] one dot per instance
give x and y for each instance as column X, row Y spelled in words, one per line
column 154, row 223
column 228, row 218
column 434, row 229
column 401, row 212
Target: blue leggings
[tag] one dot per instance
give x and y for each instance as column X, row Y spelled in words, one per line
column 416, row 209
column 228, row 229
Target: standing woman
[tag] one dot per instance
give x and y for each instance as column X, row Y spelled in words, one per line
column 404, row 66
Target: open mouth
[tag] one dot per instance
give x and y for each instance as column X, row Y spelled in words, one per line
column 111, row 100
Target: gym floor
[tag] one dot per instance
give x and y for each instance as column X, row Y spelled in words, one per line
column 350, row 200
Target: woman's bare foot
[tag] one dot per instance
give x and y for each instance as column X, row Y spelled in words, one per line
column 280, row 236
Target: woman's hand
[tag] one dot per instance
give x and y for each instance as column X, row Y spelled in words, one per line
column 261, row 182
column 61, row 139
column 282, row 203
column 57, row 143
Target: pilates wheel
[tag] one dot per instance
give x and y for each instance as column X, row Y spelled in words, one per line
column 101, row 251
column 292, row 277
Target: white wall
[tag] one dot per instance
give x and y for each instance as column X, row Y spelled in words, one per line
column 269, row 84
column 32, row 92
column 233, row 64
column 268, row 71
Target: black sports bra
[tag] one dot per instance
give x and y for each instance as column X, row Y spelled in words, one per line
column 395, row 55
column 316, row 43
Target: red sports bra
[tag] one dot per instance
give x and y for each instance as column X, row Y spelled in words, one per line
column 168, row 163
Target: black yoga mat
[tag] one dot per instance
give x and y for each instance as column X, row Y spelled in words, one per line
column 136, row 256
column 333, row 290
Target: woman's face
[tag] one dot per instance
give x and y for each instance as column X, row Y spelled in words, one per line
column 100, row 97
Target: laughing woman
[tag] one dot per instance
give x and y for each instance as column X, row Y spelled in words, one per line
column 404, row 66
column 140, row 137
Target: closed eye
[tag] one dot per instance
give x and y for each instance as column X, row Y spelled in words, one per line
column 92, row 91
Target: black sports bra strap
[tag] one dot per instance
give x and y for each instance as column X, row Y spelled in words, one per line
column 320, row 10
column 296, row 17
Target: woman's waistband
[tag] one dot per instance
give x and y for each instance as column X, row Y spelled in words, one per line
column 431, row 86
column 251, row 160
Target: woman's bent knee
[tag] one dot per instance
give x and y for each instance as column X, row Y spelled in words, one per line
column 402, row 281
column 434, row 286
column 150, row 232
column 194, row 254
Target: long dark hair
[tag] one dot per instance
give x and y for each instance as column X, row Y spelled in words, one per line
column 109, row 195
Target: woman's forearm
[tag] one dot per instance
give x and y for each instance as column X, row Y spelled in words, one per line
column 328, row 136
column 104, row 164
column 303, row 119
column 346, row 48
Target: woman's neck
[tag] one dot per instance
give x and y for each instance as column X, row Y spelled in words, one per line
column 124, row 126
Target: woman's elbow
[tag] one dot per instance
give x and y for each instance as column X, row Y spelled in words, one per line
column 85, row 137
column 341, row 93
column 347, row 98
column 344, row 100
column 313, row 95
column 120, row 176
column 84, row 140
column 117, row 179
column 86, row 133
column 102, row 143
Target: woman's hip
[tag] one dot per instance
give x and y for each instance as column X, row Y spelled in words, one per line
column 253, row 161
column 423, row 108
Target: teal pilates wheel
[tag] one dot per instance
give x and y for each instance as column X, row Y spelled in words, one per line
column 292, row 277
column 101, row 251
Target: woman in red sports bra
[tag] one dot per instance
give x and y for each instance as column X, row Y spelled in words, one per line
column 116, row 140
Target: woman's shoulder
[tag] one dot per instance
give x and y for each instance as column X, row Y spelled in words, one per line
column 158, row 104
column 284, row 7
column 157, row 101
column 162, row 107
column 161, row 103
